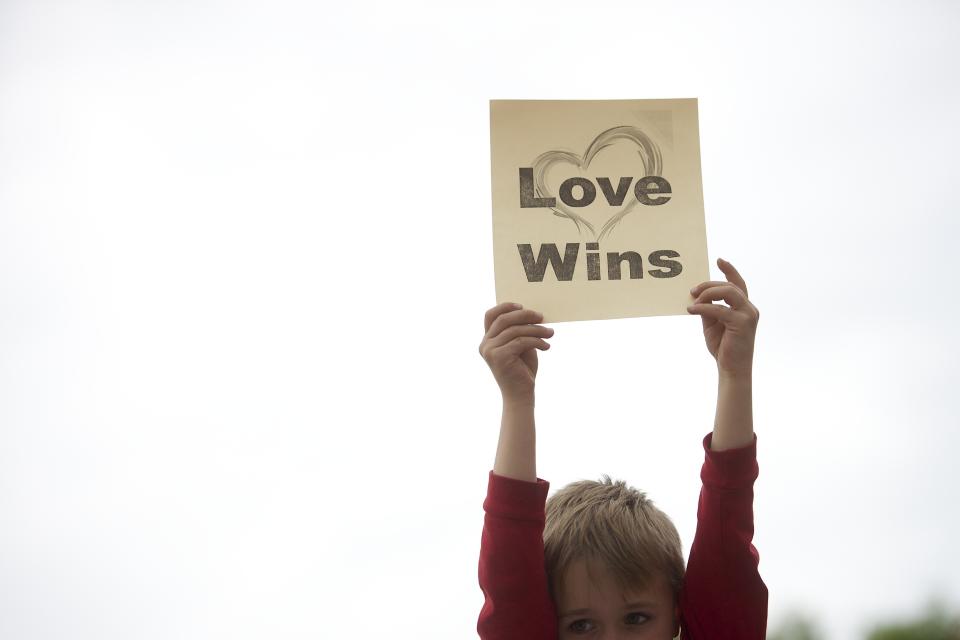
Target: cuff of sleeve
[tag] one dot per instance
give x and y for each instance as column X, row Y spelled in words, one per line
column 730, row 469
column 511, row 498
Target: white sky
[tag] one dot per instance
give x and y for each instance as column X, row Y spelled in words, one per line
column 245, row 252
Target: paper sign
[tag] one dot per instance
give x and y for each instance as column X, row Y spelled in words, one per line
column 597, row 206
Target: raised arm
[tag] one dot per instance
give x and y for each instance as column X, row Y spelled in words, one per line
column 512, row 574
column 724, row 597
column 729, row 333
column 509, row 347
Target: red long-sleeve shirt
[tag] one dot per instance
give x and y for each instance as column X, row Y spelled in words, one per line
column 723, row 596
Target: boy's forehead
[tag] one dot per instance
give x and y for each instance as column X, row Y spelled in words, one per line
column 590, row 585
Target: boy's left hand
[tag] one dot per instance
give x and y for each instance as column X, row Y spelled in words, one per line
column 728, row 331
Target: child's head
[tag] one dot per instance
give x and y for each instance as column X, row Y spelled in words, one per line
column 613, row 560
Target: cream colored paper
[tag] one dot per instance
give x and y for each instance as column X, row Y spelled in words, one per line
column 577, row 140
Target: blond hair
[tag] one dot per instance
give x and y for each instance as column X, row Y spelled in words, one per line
column 613, row 524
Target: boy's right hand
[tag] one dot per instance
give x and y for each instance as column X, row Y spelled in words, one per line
column 510, row 348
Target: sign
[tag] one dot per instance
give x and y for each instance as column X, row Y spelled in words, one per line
column 597, row 206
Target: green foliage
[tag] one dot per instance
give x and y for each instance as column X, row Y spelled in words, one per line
column 796, row 627
column 934, row 625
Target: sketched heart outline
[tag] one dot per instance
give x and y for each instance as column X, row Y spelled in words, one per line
column 650, row 156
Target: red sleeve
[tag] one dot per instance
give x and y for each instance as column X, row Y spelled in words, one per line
column 517, row 604
column 723, row 596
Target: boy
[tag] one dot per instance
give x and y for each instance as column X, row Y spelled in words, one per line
column 600, row 561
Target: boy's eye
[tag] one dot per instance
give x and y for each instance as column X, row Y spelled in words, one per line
column 637, row 618
column 581, row 626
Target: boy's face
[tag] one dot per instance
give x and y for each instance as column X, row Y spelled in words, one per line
column 591, row 604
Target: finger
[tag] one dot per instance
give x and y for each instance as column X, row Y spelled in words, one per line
column 516, row 331
column 712, row 311
column 493, row 312
column 732, row 275
column 697, row 290
column 728, row 293
column 511, row 318
column 519, row 345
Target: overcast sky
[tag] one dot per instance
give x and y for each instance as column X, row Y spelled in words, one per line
column 245, row 251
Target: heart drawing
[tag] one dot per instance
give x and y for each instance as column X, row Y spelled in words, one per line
column 649, row 154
